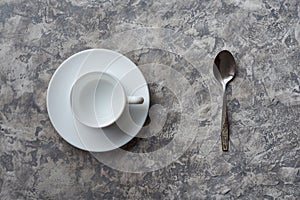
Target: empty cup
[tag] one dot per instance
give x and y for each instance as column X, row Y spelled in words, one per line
column 98, row 99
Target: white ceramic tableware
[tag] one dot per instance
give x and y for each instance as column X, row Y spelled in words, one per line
column 98, row 99
column 60, row 110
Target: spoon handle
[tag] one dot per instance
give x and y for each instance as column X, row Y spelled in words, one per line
column 224, row 129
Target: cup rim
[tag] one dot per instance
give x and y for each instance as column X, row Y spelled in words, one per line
column 115, row 116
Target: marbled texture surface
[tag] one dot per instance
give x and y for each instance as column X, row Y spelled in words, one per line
column 174, row 44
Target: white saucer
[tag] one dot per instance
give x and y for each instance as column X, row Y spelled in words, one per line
column 59, row 107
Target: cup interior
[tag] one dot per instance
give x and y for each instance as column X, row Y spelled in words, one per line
column 97, row 99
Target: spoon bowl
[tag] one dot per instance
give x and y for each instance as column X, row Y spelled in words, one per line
column 224, row 67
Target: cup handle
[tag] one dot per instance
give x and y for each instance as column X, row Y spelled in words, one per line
column 135, row 100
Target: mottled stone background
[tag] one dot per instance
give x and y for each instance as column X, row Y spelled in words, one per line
column 263, row 100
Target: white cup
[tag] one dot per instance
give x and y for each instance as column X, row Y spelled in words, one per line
column 98, row 99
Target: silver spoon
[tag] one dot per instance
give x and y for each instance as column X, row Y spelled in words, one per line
column 224, row 71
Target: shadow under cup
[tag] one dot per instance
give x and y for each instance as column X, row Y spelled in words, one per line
column 97, row 99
